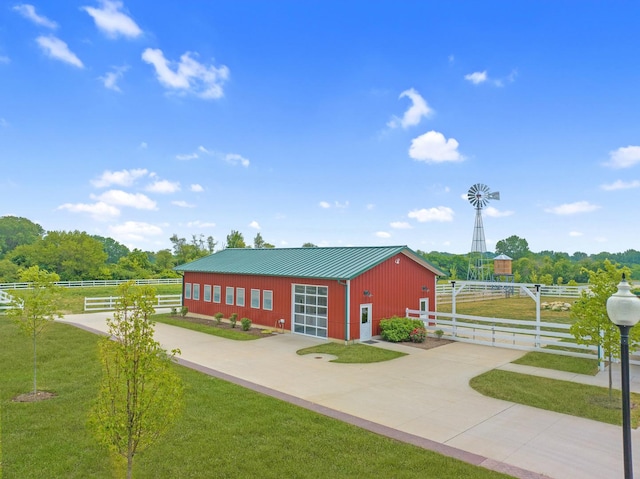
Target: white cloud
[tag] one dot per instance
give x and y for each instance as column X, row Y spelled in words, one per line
column 624, row 157
column 621, row 185
column 196, row 188
column 29, row 12
column 575, row 234
column 495, row 213
column 452, row 59
column 99, row 211
column 325, row 204
column 163, row 186
column 433, row 147
column 111, row 21
column 476, row 77
column 134, row 231
column 204, row 150
column 143, row 145
column 187, row 156
column 371, row 206
column 200, row 224
column 414, row 114
column 573, row 208
column 110, row 79
column 255, row 225
column 236, row 159
column 183, row 204
column 383, row 234
column 400, row 225
column 5, row 59
column 59, row 50
column 122, row 198
column 342, row 205
column 188, row 75
column 440, row 214
column 122, row 177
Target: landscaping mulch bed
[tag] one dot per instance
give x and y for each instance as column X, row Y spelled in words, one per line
column 33, row 397
column 429, row 343
column 225, row 325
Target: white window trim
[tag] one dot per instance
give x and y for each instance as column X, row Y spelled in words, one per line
column 207, row 293
column 187, row 290
column 196, row 291
column 232, row 290
column 257, row 303
column 238, row 303
column 264, row 297
column 218, row 288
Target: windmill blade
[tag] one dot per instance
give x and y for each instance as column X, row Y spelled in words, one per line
column 494, row 196
column 477, row 195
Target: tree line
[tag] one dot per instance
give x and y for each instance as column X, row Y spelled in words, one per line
column 545, row 267
column 77, row 255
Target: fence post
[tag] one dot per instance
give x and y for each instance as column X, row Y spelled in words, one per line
column 453, row 308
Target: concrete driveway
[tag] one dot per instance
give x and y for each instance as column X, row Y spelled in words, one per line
column 423, row 398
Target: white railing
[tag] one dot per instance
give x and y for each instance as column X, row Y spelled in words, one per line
column 525, row 335
column 96, row 283
column 107, row 303
column 486, row 290
column 5, row 301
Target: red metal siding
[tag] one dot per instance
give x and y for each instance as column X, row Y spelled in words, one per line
column 395, row 284
column 281, row 287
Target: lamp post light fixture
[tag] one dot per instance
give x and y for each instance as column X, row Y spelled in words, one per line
column 623, row 309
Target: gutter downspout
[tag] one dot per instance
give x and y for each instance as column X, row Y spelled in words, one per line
column 347, row 308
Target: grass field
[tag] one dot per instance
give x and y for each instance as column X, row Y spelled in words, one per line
column 353, row 353
column 580, row 400
column 225, row 431
column 511, row 308
column 204, row 328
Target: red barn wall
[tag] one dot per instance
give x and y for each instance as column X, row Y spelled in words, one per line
column 395, row 284
column 281, row 287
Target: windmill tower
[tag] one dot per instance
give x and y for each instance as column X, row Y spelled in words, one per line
column 479, row 196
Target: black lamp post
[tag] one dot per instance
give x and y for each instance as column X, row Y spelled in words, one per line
column 623, row 309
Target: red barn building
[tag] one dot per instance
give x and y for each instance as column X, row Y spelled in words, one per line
column 338, row 293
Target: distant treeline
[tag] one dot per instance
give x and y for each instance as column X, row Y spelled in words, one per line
column 76, row 255
column 545, row 267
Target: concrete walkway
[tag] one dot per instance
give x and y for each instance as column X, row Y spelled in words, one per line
column 423, row 398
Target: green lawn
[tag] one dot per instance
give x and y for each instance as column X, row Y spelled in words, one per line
column 225, row 431
column 559, row 362
column 566, row 397
column 352, row 353
column 511, row 308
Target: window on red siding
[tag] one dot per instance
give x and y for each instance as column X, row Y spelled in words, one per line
column 207, row 293
column 240, row 296
column 255, row 298
column 216, row 294
column 187, row 291
column 229, row 297
column 196, row 292
column 267, row 300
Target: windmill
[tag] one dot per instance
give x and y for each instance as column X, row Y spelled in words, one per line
column 479, row 196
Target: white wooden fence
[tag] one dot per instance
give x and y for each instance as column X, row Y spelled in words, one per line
column 107, row 303
column 487, row 290
column 5, row 301
column 96, row 283
column 525, row 335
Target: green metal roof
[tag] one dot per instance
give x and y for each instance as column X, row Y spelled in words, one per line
column 327, row 263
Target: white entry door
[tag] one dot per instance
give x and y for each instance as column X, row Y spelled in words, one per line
column 365, row 322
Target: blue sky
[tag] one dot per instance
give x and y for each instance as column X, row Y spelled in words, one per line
column 331, row 122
